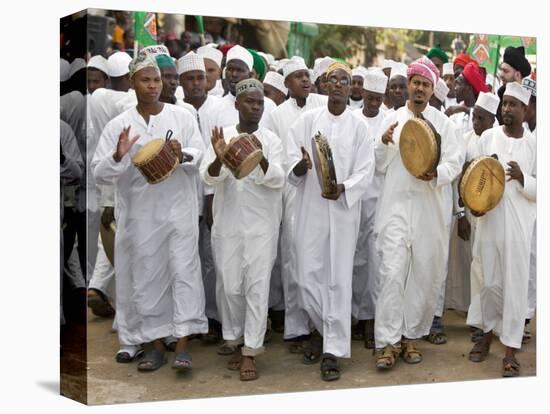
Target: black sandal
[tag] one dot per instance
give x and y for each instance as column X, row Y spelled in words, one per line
column 330, row 371
column 152, row 360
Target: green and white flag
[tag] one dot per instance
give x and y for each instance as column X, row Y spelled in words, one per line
column 145, row 28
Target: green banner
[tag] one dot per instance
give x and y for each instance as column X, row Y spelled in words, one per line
column 485, row 50
column 145, row 28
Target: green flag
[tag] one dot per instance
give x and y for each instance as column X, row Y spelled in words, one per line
column 529, row 43
column 145, row 28
column 485, row 50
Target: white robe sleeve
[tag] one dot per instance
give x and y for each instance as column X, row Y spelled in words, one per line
column 295, row 140
column 105, row 169
column 363, row 167
column 529, row 189
column 452, row 156
column 275, row 175
column 383, row 153
column 192, row 144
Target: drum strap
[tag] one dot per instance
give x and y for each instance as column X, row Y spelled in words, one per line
column 169, row 134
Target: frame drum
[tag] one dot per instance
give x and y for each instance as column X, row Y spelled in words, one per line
column 482, row 184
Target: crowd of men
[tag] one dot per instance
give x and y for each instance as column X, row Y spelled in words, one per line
column 204, row 254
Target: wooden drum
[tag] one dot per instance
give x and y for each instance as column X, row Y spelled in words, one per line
column 419, row 146
column 242, row 154
column 324, row 165
column 482, row 184
column 156, row 160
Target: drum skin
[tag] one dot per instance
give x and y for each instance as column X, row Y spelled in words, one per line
column 324, row 165
column 482, row 184
column 419, row 146
column 156, row 160
column 242, row 154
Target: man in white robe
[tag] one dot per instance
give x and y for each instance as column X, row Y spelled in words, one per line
column 458, row 284
column 413, row 225
column 357, row 80
column 531, row 123
column 326, row 229
column 247, row 213
column 366, row 281
column 239, row 65
column 212, row 64
column 156, row 253
column 504, row 235
column 193, row 78
column 284, row 288
column 448, row 76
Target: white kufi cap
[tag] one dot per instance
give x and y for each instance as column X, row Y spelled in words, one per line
column 209, row 52
column 359, row 71
column 296, row 63
column 375, row 81
column 117, row 64
column 398, row 69
column 98, row 62
column 488, row 101
column 321, row 66
column 238, row 52
column 517, row 91
column 276, row 80
column 191, row 61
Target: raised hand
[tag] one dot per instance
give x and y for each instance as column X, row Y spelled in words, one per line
column 124, row 143
column 218, row 142
column 388, row 135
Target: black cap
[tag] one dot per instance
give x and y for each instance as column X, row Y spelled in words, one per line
column 515, row 57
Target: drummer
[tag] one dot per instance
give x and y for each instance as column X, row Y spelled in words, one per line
column 247, row 213
column 413, row 225
column 504, row 235
column 159, row 284
column 462, row 273
column 283, row 290
column 326, row 228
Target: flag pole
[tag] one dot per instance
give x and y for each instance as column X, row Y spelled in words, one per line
column 496, row 63
column 136, row 44
column 200, row 24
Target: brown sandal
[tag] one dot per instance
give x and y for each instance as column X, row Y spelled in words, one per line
column 249, row 374
column 411, row 354
column 480, row 351
column 510, row 367
column 385, row 359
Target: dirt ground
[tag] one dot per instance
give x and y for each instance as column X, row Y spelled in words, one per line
column 280, row 371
